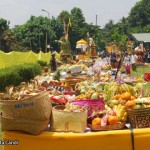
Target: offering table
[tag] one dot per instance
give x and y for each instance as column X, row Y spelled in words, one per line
column 103, row 140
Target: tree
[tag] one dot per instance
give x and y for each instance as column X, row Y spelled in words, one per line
column 140, row 14
column 57, row 27
column 79, row 26
column 4, row 25
column 34, row 33
column 9, row 39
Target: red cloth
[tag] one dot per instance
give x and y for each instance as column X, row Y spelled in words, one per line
column 128, row 69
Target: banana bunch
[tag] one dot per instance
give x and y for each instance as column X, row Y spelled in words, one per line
column 120, row 112
column 108, row 109
column 113, row 88
column 126, row 88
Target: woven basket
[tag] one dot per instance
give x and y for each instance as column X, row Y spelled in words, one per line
column 68, row 121
column 34, row 127
column 139, row 118
column 107, row 127
column 35, row 107
column 72, row 81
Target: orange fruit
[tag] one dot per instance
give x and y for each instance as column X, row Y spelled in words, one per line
column 120, row 101
column 112, row 120
column 96, row 121
column 132, row 98
column 126, row 96
column 130, row 104
column 116, row 97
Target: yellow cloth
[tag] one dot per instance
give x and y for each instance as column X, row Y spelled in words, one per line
column 104, row 140
column 15, row 58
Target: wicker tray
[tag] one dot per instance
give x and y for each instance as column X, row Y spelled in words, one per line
column 107, row 127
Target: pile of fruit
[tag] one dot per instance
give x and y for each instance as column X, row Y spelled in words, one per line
column 109, row 116
column 69, row 107
column 118, row 96
column 22, row 91
column 138, row 103
column 89, row 95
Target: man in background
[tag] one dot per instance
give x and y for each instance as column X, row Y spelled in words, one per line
column 53, row 62
column 134, row 58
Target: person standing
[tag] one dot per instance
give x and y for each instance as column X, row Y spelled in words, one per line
column 108, row 59
column 129, row 46
column 53, row 62
column 148, row 57
column 113, row 60
column 127, row 62
column 118, row 57
column 134, row 58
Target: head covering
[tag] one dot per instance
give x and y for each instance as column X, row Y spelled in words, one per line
column 54, row 52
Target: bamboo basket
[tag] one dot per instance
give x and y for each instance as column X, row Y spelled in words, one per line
column 72, row 81
column 139, row 118
column 35, row 107
column 63, row 121
column 33, row 127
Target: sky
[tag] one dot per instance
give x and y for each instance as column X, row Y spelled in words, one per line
column 19, row 11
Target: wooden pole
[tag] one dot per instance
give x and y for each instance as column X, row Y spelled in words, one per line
column 96, row 20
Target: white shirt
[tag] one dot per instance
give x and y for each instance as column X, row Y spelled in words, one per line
column 127, row 60
column 108, row 59
column 133, row 59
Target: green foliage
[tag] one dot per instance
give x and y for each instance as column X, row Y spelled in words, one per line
column 4, row 25
column 57, row 75
column 17, row 74
column 140, row 14
column 137, row 22
column 79, row 27
column 42, row 63
column 32, row 34
column 9, row 76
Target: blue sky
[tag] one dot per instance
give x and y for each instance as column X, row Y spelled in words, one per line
column 19, row 11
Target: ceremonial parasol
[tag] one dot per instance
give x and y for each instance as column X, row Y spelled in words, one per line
column 82, row 44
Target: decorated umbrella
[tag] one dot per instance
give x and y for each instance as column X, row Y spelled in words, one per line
column 82, row 44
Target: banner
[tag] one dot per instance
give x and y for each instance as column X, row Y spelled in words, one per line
column 16, row 58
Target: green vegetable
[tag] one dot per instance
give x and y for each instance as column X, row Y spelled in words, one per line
column 94, row 95
column 138, row 106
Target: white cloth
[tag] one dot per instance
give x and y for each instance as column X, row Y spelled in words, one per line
column 127, row 60
column 98, row 64
column 107, row 59
column 54, row 52
column 133, row 59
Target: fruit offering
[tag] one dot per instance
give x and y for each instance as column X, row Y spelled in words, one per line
column 109, row 116
column 119, row 111
column 69, row 107
column 22, row 91
column 138, row 103
column 89, row 95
